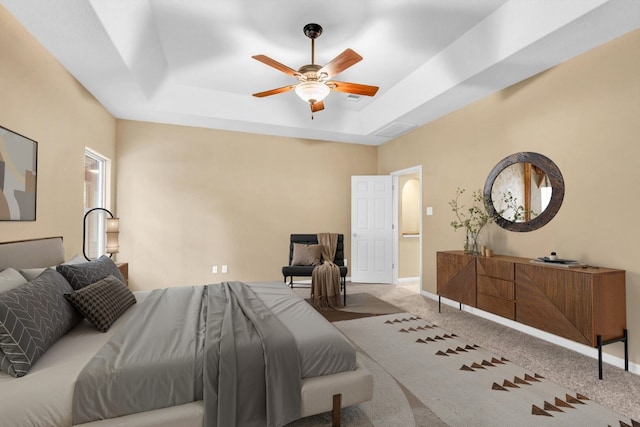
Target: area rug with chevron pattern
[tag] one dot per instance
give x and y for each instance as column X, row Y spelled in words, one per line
column 465, row 385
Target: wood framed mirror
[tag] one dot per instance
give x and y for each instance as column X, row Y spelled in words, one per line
column 524, row 191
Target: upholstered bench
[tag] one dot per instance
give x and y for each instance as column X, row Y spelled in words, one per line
column 292, row 271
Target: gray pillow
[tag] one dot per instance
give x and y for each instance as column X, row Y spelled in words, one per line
column 33, row 317
column 9, row 279
column 81, row 275
column 101, row 303
column 306, row 254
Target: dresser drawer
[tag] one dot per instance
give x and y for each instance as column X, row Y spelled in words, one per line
column 495, row 305
column 497, row 268
column 495, row 287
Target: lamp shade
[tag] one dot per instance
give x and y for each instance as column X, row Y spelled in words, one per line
column 112, row 246
column 312, row 92
column 113, row 225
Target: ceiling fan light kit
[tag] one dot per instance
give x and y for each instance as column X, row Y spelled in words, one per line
column 314, row 81
column 312, row 92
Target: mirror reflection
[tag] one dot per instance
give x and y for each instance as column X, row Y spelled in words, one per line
column 521, row 192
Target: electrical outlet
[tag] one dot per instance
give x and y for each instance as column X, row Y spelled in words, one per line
column 345, row 262
column 214, row 269
column 224, row 268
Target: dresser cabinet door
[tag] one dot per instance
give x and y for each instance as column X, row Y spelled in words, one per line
column 456, row 276
column 555, row 300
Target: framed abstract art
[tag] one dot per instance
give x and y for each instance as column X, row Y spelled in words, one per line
column 18, row 167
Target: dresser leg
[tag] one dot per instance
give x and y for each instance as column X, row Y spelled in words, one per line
column 626, row 351
column 600, row 343
column 599, row 340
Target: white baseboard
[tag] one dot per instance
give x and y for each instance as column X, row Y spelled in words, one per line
column 554, row 339
column 408, row 279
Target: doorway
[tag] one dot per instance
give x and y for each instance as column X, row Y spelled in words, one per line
column 407, row 234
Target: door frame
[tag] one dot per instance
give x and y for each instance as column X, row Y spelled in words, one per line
column 396, row 208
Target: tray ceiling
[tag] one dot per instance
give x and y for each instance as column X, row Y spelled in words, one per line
column 189, row 62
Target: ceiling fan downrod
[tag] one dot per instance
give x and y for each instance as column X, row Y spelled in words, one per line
column 312, row 31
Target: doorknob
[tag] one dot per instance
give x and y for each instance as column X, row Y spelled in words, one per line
column 355, row 234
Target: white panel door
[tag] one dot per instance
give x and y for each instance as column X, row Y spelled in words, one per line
column 371, row 229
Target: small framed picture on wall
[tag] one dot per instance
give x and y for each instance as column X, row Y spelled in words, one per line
column 18, row 176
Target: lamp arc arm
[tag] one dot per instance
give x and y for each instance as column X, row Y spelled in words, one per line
column 84, row 229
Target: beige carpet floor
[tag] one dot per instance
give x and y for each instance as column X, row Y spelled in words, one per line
column 464, row 384
column 619, row 390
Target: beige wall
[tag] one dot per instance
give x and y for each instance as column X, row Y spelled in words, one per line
column 191, row 198
column 42, row 101
column 584, row 115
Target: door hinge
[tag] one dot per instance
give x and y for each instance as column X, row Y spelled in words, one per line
column 393, row 226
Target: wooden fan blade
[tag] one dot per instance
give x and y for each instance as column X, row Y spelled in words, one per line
column 275, row 64
column 340, row 63
column 274, row 91
column 354, row 88
column 318, row 106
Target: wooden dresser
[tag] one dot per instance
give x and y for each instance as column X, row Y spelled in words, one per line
column 586, row 305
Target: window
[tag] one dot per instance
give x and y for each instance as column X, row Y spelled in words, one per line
column 95, row 196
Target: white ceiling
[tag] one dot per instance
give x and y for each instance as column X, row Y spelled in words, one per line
column 189, row 61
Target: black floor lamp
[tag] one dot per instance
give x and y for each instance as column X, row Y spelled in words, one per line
column 112, row 229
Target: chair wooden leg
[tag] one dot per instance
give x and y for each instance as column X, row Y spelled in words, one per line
column 337, row 403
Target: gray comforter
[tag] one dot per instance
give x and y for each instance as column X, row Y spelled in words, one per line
column 219, row 343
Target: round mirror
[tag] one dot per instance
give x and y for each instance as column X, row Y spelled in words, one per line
column 524, row 191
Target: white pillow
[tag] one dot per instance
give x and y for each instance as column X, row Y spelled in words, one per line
column 77, row 259
column 31, row 273
column 10, row 279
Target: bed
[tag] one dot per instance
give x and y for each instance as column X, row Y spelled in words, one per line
column 45, row 395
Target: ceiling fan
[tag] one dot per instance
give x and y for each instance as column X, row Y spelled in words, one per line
column 314, row 82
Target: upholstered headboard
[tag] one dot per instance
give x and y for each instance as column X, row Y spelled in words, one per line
column 34, row 253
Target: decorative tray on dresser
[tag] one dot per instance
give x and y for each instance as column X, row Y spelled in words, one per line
column 582, row 303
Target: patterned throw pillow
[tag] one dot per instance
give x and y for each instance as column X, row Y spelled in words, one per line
column 101, row 303
column 81, row 275
column 33, row 317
